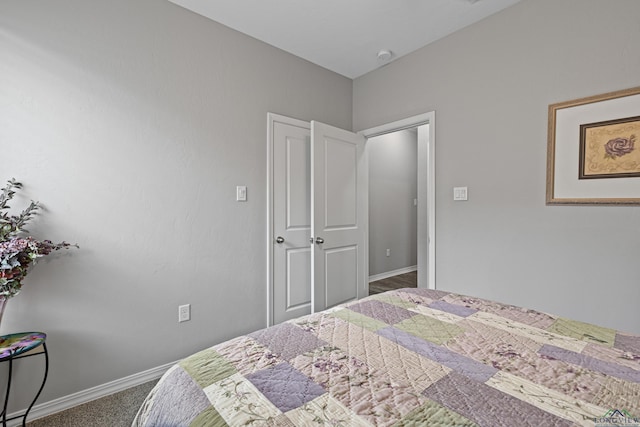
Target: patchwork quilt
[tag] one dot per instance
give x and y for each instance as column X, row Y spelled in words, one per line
column 411, row 357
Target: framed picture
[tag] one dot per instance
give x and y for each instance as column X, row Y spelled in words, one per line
column 593, row 150
column 608, row 149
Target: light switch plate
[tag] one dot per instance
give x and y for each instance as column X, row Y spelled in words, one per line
column 241, row 193
column 460, row 193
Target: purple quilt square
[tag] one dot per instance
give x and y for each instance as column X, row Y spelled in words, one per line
column 458, row 310
column 628, row 343
column 287, row 340
column 463, row 365
column 488, row 406
column 387, row 313
column 285, row 387
column 591, row 363
column 178, row 400
column 427, row 293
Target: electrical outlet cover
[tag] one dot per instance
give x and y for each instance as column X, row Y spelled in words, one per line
column 184, row 313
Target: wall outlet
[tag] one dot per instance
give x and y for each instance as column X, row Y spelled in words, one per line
column 460, row 193
column 388, row 252
column 184, row 313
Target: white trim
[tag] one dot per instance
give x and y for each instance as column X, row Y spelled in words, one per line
column 431, row 203
column 410, row 122
column 388, row 274
column 431, row 208
column 407, row 123
column 90, row 394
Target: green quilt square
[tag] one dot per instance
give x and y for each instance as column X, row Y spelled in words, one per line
column 436, row 415
column 584, row 331
column 430, row 329
column 207, row 367
column 358, row 319
column 209, row 418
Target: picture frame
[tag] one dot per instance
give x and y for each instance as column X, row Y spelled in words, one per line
column 593, row 150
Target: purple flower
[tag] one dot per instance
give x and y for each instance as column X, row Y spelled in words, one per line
column 325, row 365
column 618, row 147
column 18, row 254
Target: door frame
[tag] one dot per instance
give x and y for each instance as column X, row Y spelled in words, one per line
column 426, row 177
column 428, row 169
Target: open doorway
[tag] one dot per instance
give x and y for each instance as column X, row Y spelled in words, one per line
column 419, row 130
column 393, row 210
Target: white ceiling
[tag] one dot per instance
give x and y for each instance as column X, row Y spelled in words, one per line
column 345, row 36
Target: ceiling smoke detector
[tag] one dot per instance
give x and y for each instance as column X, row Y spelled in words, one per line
column 384, row 55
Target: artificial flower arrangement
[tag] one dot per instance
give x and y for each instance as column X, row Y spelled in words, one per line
column 18, row 253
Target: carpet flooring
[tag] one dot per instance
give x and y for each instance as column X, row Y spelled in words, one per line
column 116, row 410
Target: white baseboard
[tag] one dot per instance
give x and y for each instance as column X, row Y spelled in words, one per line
column 392, row 273
column 84, row 396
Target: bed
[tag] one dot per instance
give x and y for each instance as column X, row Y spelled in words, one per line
column 410, row 357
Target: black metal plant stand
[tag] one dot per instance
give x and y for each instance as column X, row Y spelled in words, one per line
column 19, row 346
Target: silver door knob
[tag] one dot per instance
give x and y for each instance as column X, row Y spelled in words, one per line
column 319, row 240
column 279, row 239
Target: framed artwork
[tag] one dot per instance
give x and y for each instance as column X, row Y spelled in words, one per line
column 593, row 150
column 608, row 149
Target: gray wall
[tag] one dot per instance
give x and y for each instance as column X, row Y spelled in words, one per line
column 490, row 85
column 393, row 185
column 133, row 122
